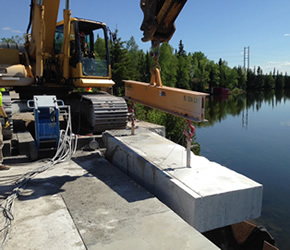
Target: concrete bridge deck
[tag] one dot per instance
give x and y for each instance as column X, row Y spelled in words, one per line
column 86, row 203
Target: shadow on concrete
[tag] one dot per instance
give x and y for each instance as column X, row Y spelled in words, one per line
column 96, row 166
column 114, row 178
column 16, row 160
column 40, row 187
column 7, row 184
column 37, row 187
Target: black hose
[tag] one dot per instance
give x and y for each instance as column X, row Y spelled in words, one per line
column 30, row 17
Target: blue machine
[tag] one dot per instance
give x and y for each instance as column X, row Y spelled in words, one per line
column 47, row 129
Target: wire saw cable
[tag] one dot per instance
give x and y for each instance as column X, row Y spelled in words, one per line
column 66, row 148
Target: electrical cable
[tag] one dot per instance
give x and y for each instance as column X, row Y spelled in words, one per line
column 165, row 158
column 66, row 148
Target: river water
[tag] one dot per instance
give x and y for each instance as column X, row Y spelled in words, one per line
column 250, row 134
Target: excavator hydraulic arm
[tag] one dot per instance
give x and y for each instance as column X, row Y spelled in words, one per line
column 158, row 27
column 159, row 16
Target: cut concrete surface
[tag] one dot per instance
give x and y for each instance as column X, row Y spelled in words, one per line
column 207, row 195
column 86, row 203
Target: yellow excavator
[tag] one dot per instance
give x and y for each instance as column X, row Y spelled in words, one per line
column 58, row 57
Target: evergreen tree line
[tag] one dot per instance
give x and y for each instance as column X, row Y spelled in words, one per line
column 193, row 71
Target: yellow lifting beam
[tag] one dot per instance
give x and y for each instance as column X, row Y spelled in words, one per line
column 179, row 102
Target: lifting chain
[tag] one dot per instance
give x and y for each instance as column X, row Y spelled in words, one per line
column 155, row 54
column 155, row 70
column 132, row 111
column 189, row 132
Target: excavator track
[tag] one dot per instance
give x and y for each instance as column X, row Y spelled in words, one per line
column 110, row 112
column 97, row 112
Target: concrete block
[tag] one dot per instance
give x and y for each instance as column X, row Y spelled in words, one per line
column 24, row 140
column 207, row 195
column 158, row 129
column 6, row 151
column 84, row 142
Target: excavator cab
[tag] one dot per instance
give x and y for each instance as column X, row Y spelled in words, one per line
column 89, row 53
column 89, row 66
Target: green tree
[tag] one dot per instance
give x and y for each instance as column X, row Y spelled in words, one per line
column 269, row 81
column 120, row 62
column 232, row 78
column 181, row 51
column 214, row 73
column 13, row 39
column 259, row 78
column 279, row 81
column 135, row 56
column 182, row 78
column 146, row 74
column 100, row 48
column 287, row 81
column 242, row 77
column 168, row 64
column 251, row 79
column 199, row 73
column 228, row 76
column 222, row 76
column 144, row 65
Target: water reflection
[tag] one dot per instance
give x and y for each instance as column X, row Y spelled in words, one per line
column 219, row 107
column 250, row 134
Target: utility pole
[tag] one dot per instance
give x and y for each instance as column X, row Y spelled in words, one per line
column 247, row 57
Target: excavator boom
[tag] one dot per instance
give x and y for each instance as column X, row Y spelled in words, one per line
column 48, row 10
column 159, row 16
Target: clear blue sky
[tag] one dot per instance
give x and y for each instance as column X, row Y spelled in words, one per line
column 218, row 28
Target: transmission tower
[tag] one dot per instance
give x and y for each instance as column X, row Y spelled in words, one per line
column 246, row 57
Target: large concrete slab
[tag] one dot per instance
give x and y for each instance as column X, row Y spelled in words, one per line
column 87, row 203
column 207, row 195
